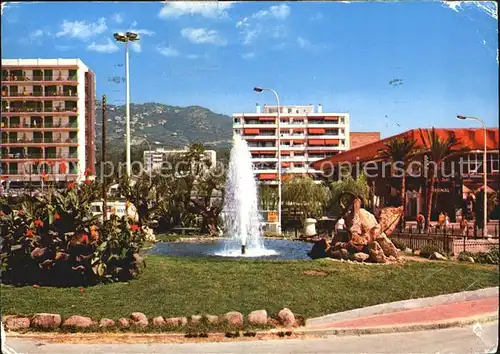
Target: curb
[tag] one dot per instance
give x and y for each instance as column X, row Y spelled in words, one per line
column 404, row 305
column 413, row 327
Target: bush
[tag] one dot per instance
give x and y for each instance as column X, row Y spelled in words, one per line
column 490, row 257
column 55, row 240
column 400, row 245
column 428, row 249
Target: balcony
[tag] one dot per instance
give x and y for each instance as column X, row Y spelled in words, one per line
column 13, row 79
column 29, row 157
column 9, row 111
column 39, row 127
column 39, row 141
column 39, row 96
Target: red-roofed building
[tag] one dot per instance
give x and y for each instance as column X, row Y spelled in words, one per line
column 461, row 174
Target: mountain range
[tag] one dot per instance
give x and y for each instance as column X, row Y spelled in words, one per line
column 165, row 126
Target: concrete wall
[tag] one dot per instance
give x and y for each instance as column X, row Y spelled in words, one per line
column 358, row 139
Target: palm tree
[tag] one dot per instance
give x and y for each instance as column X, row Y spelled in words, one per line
column 437, row 151
column 400, row 151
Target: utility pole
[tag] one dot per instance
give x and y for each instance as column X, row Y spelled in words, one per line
column 103, row 161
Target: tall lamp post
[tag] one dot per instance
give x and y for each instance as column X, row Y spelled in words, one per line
column 485, row 181
column 125, row 38
column 260, row 89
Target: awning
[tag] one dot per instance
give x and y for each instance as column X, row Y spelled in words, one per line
column 264, row 152
column 267, row 118
column 331, row 142
column 267, row 176
column 316, row 131
column 285, row 153
column 318, row 142
column 331, row 118
column 249, row 131
column 285, row 164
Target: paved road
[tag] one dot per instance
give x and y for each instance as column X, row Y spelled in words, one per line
column 471, row 339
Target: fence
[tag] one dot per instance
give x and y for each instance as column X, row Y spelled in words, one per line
column 446, row 243
column 454, row 230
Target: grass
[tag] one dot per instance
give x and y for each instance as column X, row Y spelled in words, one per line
column 172, row 287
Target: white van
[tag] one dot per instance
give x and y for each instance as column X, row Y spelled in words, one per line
column 115, row 208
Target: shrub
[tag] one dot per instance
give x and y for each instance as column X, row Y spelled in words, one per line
column 490, row 257
column 55, row 240
column 428, row 249
column 400, row 245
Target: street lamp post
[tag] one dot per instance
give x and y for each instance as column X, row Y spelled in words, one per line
column 485, row 181
column 260, row 89
column 127, row 37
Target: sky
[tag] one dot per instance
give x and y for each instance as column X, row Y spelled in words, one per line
column 393, row 66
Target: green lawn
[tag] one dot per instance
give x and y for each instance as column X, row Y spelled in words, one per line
column 184, row 286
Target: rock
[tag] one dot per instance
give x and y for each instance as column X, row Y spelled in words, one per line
column 408, row 250
column 77, row 322
column 234, row 318
column 319, row 249
column 15, row 323
column 195, row 319
column 339, row 254
column 176, row 321
column 286, row 318
column 376, row 253
column 361, row 257
column 139, row 319
column 437, row 256
column 389, row 218
column 258, row 317
column 470, row 259
column 106, row 322
column 387, row 246
column 212, row 319
column 124, row 322
column 369, row 224
column 416, row 253
column 46, row 320
column 158, row 321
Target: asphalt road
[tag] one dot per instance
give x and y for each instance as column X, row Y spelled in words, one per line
column 479, row 338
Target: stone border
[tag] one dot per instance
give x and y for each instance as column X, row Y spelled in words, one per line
column 236, row 320
column 404, row 305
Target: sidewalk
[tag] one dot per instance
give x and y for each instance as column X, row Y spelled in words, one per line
column 431, row 314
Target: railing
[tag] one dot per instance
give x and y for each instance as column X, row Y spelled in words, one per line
column 39, row 78
column 39, row 109
column 40, row 94
column 40, row 125
column 39, row 141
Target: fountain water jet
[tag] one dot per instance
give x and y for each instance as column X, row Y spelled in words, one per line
column 241, row 218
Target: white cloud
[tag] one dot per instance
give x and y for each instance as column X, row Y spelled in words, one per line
column 278, row 12
column 117, row 17
column 307, row 45
column 209, row 9
column 489, row 8
column 197, row 56
column 168, row 51
column 203, row 36
column 81, row 29
column 135, row 46
column 109, row 47
column 249, row 55
column 248, row 31
column 62, row 48
column 37, row 33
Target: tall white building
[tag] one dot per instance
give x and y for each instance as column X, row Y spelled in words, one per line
column 307, row 134
column 48, row 120
column 155, row 159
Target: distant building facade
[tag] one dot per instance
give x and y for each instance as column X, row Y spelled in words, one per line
column 307, row 134
column 47, row 121
column 156, row 159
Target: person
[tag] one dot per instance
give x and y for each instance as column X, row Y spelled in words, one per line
column 340, row 230
column 463, row 226
column 441, row 220
column 447, row 222
column 420, row 222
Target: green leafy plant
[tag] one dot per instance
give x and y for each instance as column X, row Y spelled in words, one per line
column 54, row 239
column 428, row 249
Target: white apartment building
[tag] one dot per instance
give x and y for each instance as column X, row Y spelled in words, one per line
column 307, row 134
column 155, row 159
column 47, row 121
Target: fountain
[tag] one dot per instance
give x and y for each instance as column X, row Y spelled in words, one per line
column 240, row 214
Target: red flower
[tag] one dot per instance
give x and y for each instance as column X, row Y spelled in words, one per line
column 63, row 168
column 52, row 163
column 82, row 290
column 1, row 212
column 19, row 212
column 29, row 233
column 134, row 227
column 85, row 238
column 44, row 176
column 88, row 172
column 87, row 182
column 36, row 286
column 57, row 216
column 38, row 223
column 71, row 185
